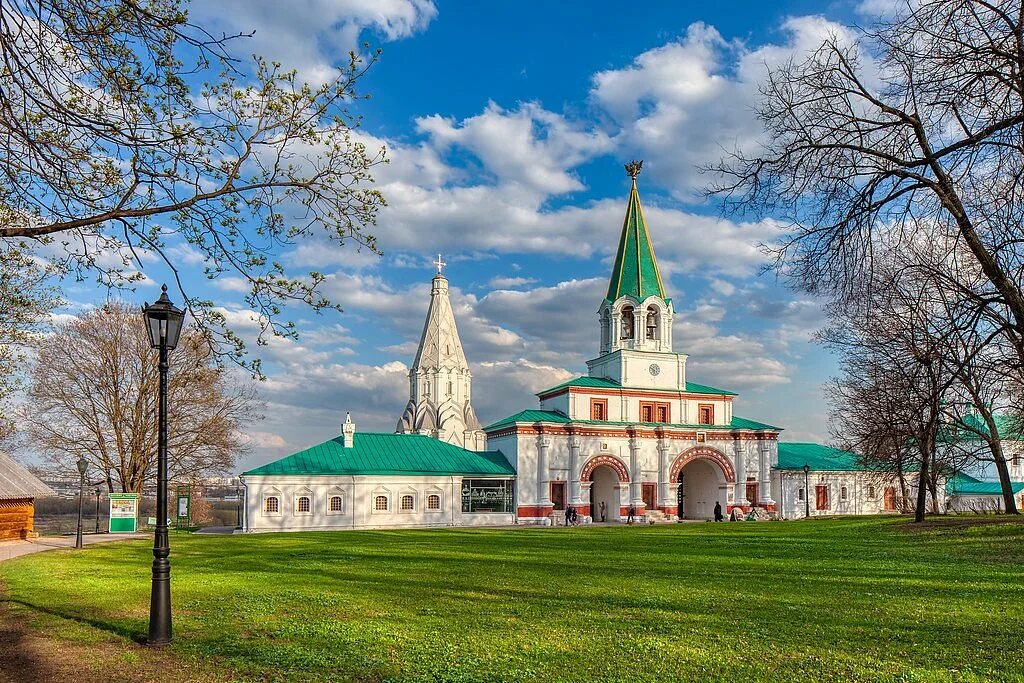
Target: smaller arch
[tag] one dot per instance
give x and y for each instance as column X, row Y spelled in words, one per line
column 607, row 460
column 706, row 453
column 626, row 322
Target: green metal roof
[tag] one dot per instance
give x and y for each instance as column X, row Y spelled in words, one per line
column 602, row 383
column 1008, row 426
column 793, row 456
column 966, row 485
column 388, row 454
column 553, row 416
column 636, row 269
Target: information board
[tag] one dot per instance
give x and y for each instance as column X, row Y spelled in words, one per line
column 124, row 513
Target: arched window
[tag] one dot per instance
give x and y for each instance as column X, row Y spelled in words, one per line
column 627, row 322
column 303, row 504
column 800, row 494
column 271, row 504
column 407, row 502
column 433, row 502
column 652, row 323
column 334, row 505
column 842, row 493
column 450, row 388
column 380, row 503
column 871, row 491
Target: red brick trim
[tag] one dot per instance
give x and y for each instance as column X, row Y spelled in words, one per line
column 703, row 453
column 609, row 460
column 534, row 510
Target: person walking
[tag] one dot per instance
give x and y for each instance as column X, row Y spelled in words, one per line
column 631, row 513
column 568, row 514
column 718, row 512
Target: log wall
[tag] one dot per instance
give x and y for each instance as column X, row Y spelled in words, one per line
column 16, row 518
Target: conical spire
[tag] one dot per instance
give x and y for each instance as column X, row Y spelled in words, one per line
column 440, row 346
column 636, row 269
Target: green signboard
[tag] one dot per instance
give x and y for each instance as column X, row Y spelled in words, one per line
column 124, row 513
column 184, row 507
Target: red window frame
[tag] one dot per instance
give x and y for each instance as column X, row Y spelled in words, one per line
column 705, row 409
column 599, row 405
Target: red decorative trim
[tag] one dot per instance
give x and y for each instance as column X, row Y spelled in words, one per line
column 714, row 432
column 534, row 510
column 610, row 461
column 670, row 509
column 703, row 453
column 584, row 510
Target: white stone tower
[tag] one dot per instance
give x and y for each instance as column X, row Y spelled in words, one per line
column 440, row 383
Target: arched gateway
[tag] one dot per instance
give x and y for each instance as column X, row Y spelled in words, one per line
column 704, row 476
column 608, row 481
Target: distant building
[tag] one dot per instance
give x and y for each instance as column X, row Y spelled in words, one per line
column 18, row 490
column 837, row 483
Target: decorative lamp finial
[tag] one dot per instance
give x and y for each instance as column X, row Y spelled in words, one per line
column 633, row 168
column 440, row 264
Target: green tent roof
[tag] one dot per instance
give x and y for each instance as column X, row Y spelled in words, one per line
column 793, row 456
column 602, row 383
column 636, row 269
column 553, row 416
column 389, row 454
column 966, row 485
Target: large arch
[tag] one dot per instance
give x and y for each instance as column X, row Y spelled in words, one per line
column 608, row 460
column 706, row 453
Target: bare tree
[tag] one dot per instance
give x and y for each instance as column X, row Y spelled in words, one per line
column 912, row 132
column 125, row 127
column 94, row 395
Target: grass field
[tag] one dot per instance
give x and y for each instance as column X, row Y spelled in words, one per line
column 843, row 600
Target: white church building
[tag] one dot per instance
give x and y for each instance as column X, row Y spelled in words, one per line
column 632, row 435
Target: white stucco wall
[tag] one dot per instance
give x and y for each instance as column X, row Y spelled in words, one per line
column 358, row 495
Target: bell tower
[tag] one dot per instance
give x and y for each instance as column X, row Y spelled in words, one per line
column 636, row 315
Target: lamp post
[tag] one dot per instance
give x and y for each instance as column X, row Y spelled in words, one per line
column 97, row 509
column 807, row 490
column 163, row 322
column 82, row 466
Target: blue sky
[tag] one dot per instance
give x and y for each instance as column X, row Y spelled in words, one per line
column 507, row 126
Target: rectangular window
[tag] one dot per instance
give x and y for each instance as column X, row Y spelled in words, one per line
column 488, row 495
column 800, row 494
column 821, row 497
column 599, row 409
column 654, row 412
column 705, row 414
column 558, row 495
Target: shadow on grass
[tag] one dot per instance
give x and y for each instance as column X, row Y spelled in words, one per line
column 113, row 627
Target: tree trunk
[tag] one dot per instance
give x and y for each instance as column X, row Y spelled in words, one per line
column 922, row 486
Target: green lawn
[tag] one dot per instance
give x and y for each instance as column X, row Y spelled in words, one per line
column 856, row 599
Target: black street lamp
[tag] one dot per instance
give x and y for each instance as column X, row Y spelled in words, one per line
column 163, row 322
column 807, row 490
column 97, row 509
column 82, row 467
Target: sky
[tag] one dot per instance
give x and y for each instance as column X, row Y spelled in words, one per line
column 507, row 126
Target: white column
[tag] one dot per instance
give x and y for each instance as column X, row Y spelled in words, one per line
column 663, row 494
column 543, row 471
column 574, row 471
column 635, row 476
column 741, row 473
column 765, row 462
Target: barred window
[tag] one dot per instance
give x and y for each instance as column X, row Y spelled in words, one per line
column 433, row 502
column 380, row 503
column 304, row 504
column 335, row 504
column 407, row 502
column 271, row 504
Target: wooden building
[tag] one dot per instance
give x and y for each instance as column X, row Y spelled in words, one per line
column 18, row 490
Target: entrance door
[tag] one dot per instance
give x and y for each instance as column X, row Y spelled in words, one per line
column 650, row 493
column 889, row 499
column 604, row 495
column 558, row 495
column 752, row 492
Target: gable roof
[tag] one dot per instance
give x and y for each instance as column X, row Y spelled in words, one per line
column 966, row 485
column 820, row 458
column 636, row 269
column 18, row 482
column 553, row 416
column 603, row 383
column 388, row 454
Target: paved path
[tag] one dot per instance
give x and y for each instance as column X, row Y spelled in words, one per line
column 11, row 549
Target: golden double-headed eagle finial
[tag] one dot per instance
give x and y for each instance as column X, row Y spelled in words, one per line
column 633, row 168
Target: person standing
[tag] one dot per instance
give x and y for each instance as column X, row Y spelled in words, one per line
column 718, row 512
column 602, row 511
column 632, row 512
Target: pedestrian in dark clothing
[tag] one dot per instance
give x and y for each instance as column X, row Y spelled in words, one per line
column 718, row 512
column 568, row 515
column 632, row 513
